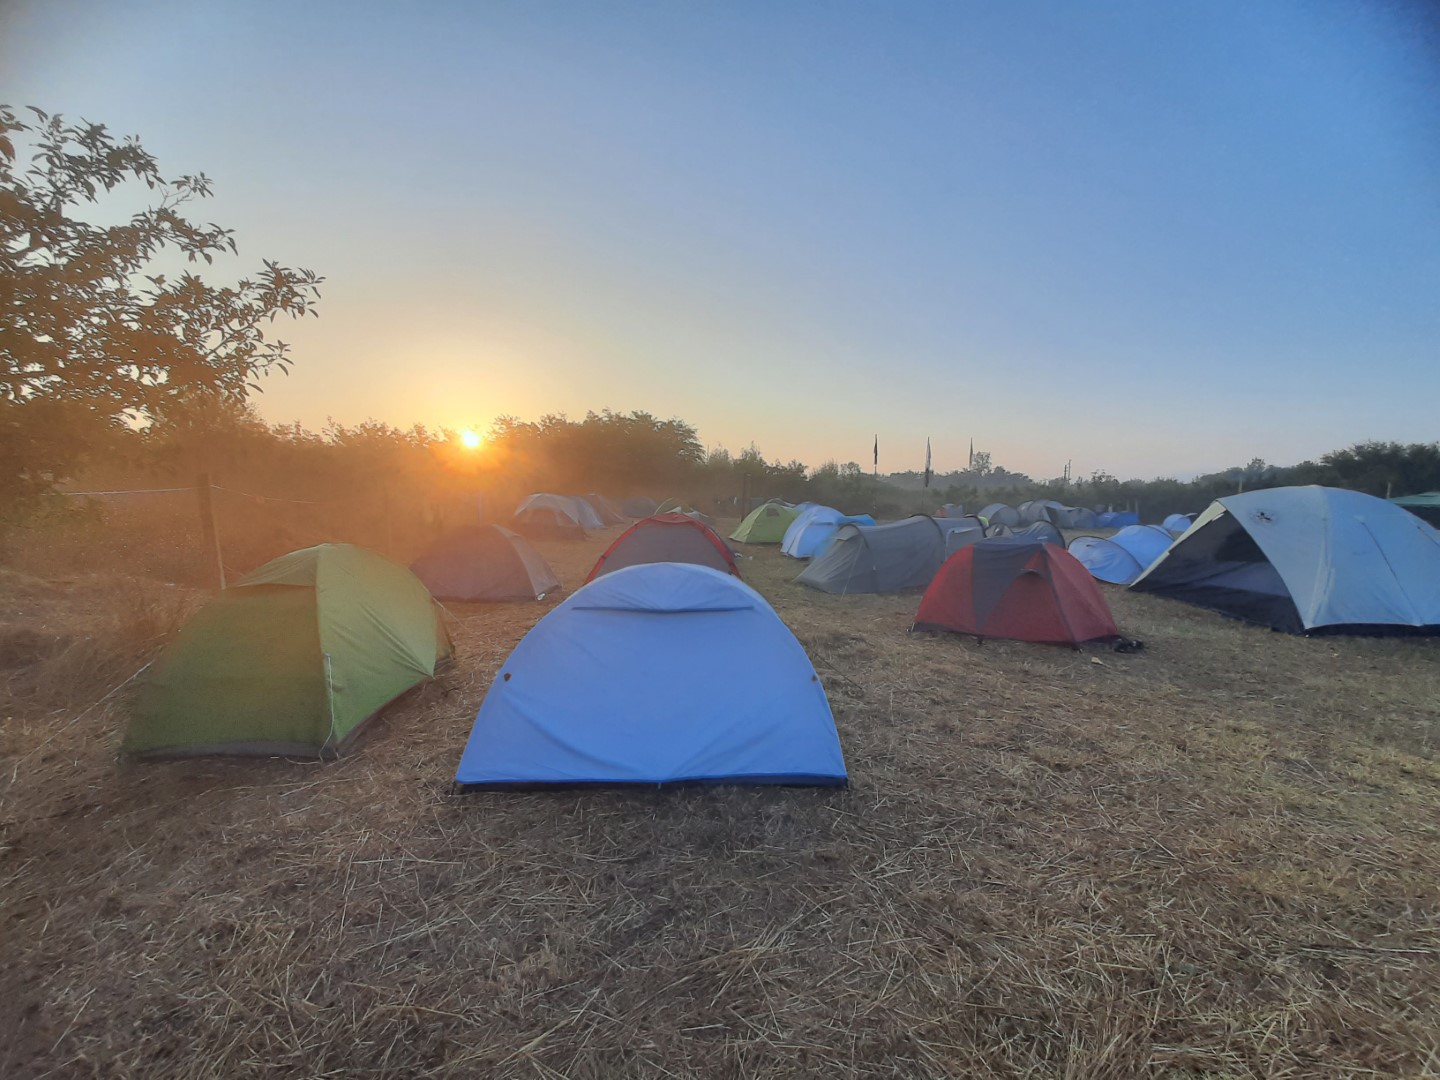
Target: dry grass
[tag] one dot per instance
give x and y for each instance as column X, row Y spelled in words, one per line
column 1217, row 857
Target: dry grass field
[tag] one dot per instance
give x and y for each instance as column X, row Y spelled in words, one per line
column 1219, row 857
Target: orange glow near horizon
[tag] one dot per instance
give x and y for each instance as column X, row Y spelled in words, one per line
column 470, row 440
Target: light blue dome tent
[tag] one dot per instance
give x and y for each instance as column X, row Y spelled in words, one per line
column 815, row 527
column 1178, row 523
column 1306, row 559
column 661, row 673
column 1121, row 558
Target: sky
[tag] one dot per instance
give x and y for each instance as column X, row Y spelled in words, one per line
column 1150, row 239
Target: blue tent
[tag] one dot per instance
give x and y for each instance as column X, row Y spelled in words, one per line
column 814, row 528
column 655, row 674
column 1117, row 519
column 1121, row 558
column 1178, row 523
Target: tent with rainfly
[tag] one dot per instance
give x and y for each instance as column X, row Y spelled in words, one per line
column 1305, row 559
column 1177, row 523
column 1426, row 507
column 484, row 562
column 814, row 528
column 666, row 538
column 1123, row 557
column 1012, row 587
column 765, row 524
column 1000, row 514
column 291, row 660
column 550, row 517
column 662, row 673
column 879, row 558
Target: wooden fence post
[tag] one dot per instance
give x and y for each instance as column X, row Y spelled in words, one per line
column 210, row 535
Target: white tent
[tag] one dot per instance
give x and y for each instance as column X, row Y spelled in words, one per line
column 1306, row 558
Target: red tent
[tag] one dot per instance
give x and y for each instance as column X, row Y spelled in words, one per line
column 667, row 538
column 1013, row 587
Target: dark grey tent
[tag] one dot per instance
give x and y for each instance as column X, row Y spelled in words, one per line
column 1036, row 530
column 484, row 562
column 1076, row 517
column 879, row 558
column 1000, row 514
column 1040, row 510
column 638, row 506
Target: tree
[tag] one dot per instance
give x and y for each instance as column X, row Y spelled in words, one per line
column 89, row 335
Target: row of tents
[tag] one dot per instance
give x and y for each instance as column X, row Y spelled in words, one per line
column 1300, row 559
column 546, row 516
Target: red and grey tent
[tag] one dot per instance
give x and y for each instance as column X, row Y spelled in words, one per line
column 1012, row 587
column 666, row 538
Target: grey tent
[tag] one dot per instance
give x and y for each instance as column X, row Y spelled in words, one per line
column 879, row 558
column 1076, row 517
column 484, row 562
column 587, row 515
column 1000, row 514
column 552, row 517
column 605, row 510
column 951, row 510
column 638, row 506
column 962, row 532
column 1040, row 510
column 1036, row 530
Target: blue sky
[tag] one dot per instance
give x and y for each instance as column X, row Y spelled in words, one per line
column 1153, row 238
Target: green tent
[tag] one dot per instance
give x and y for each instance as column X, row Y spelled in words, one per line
column 765, row 524
column 291, row 660
column 1426, row 507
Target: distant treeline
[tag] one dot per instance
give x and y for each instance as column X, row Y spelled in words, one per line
column 621, row 454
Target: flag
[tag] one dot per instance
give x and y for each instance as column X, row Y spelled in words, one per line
column 972, row 455
column 927, row 461
column 877, row 451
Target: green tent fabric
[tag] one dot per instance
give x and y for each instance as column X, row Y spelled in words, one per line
column 292, row 660
column 765, row 524
column 1426, row 507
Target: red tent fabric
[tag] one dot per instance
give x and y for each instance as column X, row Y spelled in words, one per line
column 667, row 538
column 1012, row 587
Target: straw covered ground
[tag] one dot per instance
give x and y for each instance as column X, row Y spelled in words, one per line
column 1219, row 856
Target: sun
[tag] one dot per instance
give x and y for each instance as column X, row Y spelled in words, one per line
column 469, row 440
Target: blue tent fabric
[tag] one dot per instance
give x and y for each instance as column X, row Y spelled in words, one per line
column 814, row 528
column 1177, row 523
column 1121, row 558
column 660, row 673
column 1117, row 519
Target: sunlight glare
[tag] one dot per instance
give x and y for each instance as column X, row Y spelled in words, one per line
column 470, row 440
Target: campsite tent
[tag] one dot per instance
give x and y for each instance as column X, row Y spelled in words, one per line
column 292, row 659
column 656, row 674
column 765, row 524
column 1000, row 514
column 1011, row 587
column 638, row 506
column 586, row 514
column 1046, row 510
column 666, row 538
column 1076, row 517
column 1117, row 519
column 1038, row 530
column 1301, row 559
column 814, row 528
column 1177, row 523
column 961, row 532
column 1121, row 558
column 951, row 510
column 550, row 517
column 879, row 558
column 1426, row 507
column 605, row 510
column 484, row 562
